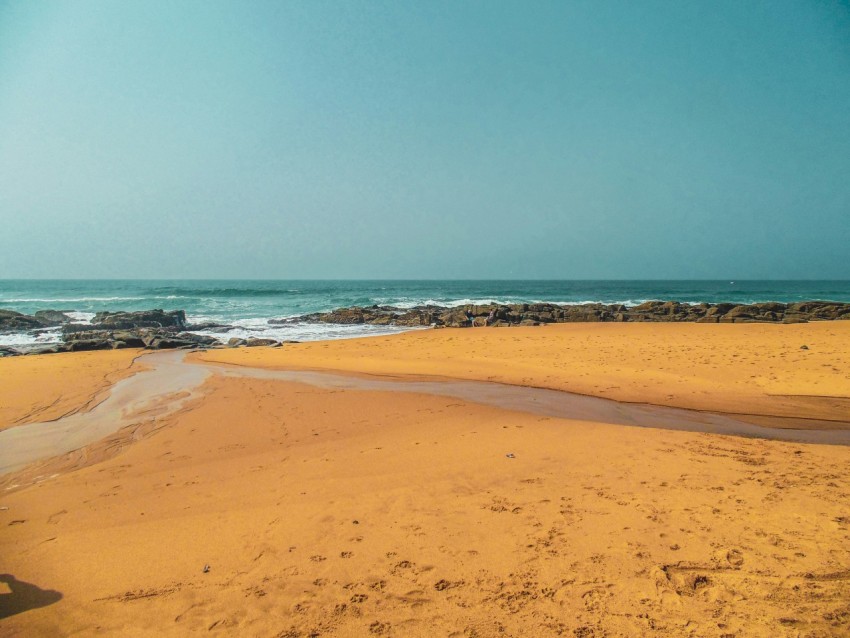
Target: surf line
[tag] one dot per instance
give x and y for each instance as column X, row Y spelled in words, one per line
column 170, row 382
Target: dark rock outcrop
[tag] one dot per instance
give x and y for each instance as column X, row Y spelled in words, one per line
column 96, row 338
column 53, row 317
column 254, row 341
column 536, row 314
column 141, row 319
column 11, row 321
column 211, row 326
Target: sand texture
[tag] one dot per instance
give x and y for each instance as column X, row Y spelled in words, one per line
column 331, row 512
column 756, row 369
column 46, row 387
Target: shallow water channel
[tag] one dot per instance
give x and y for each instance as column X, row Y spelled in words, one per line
column 171, row 381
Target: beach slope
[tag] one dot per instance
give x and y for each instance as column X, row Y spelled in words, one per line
column 275, row 508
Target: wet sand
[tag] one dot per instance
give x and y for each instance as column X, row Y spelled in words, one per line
column 756, row 369
column 47, row 387
column 353, row 512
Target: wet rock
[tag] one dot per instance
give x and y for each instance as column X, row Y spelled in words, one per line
column 516, row 314
column 54, row 317
column 6, row 351
column 141, row 319
column 345, row 316
column 82, row 345
column 740, row 311
column 11, row 321
column 201, row 340
column 648, row 306
column 254, row 341
column 151, row 338
column 210, row 326
column 235, row 342
column 159, row 342
column 128, row 338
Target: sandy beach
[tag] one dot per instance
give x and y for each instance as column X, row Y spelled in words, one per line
column 263, row 507
column 45, row 388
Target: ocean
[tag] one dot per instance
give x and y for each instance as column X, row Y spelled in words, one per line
column 249, row 304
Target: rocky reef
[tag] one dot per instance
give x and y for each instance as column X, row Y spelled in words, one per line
column 150, row 329
column 536, row 314
column 158, row 329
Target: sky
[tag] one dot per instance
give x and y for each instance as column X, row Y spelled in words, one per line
column 314, row 139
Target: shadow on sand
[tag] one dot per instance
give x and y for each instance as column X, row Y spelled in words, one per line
column 24, row 596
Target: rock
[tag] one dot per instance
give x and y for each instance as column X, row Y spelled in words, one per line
column 770, row 306
column 6, row 351
column 81, row 345
column 454, row 318
column 515, row 314
column 11, row 321
column 211, row 326
column 648, row 306
column 91, row 333
column 235, row 342
column 170, row 343
column 53, row 316
column 416, row 318
column 201, row 340
column 669, row 308
column 129, row 339
column 345, row 316
column 142, row 319
column 151, row 338
column 719, row 309
column 72, row 328
column 739, row 311
column 254, row 341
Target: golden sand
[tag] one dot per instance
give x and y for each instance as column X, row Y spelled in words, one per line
column 736, row 368
column 45, row 387
column 352, row 513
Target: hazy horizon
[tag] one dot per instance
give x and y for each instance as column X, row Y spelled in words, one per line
column 425, row 141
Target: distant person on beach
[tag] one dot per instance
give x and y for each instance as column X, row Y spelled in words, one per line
column 491, row 318
column 471, row 318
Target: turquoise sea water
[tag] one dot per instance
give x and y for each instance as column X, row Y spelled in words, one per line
column 250, row 304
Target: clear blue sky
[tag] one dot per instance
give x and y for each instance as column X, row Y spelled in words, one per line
column 425, row 139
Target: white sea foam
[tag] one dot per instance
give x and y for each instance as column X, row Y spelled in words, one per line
column 450, row 303
column 504, row 301
column 300, row 331
column 42, row 338
column 80, row 317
